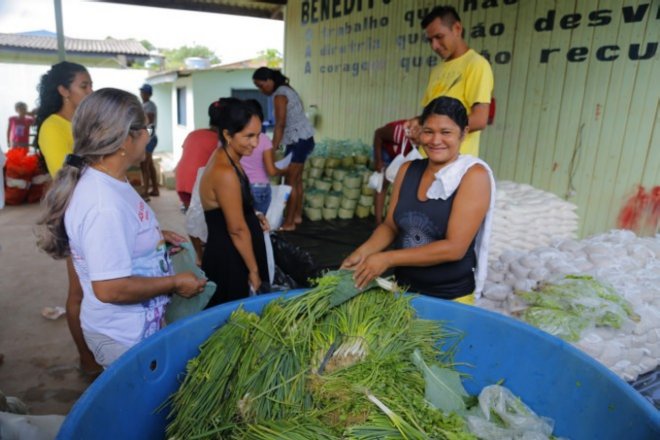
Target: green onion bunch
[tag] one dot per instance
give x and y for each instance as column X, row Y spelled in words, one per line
column 332, row 363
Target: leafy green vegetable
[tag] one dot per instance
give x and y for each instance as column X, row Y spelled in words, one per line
column 568, row 307
column 444, row 389
column 345, row 288
column 300, row 370
column 557, row 322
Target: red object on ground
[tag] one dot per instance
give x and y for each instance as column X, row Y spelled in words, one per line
column 20, row 164
column 19, row 170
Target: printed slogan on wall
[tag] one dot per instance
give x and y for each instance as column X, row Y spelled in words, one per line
column 363, row 32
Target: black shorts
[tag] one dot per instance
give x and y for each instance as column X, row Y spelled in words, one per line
column 301, row 149
column 151, row 146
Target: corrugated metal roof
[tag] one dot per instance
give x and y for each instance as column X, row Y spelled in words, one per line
column 271, row 9
column 108, row 46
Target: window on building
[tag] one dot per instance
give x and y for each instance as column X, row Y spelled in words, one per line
column 265, row 101
column 181, row 113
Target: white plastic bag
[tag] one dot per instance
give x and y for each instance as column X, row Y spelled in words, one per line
column 195, row 221
column 393, row 168
column 514, row 419
column 376, row 181
column 270, row 257
column 279, row 196
column 283, row 163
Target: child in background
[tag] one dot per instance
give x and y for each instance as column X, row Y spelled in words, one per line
column 260, row 166
column 18, row 128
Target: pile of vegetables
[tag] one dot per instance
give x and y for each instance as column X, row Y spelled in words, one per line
column 569, row 306
column 320, row 365
column 618, row 258
column 333, row 363
column 335, row 179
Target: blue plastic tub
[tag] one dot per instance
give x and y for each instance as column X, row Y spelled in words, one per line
column 586, row 400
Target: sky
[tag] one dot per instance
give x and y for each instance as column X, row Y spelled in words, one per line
column 232, row 38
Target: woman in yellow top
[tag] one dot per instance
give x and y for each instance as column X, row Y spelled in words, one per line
column 61, row 89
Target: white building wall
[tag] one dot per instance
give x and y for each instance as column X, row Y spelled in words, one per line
column 202, row 88
column 18, row 82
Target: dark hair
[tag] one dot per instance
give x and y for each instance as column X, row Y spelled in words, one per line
column 450, row 107
column 447, row 14
column 100, row 125
column 214, row 110
column 50, row 100
column 266, row 73
column 234, row 117
column 257, row 108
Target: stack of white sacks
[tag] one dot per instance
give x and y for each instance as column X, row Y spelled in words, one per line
column 526, row 218
column 631, row 264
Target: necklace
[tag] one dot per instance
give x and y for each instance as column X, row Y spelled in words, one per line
column 100, row 167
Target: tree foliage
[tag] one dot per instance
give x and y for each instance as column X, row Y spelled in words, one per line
column 175, row 58
column 147, row 45
column 273, row 57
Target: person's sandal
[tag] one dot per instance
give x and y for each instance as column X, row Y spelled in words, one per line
column 286, row 228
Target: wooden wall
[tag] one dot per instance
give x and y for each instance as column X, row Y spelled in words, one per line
column 577, row 85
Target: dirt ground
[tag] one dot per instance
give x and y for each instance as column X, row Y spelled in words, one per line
column 40, row 360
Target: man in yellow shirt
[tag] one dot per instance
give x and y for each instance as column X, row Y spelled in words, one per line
column 463, row 74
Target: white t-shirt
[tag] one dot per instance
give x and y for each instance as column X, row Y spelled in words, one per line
column 113, row 234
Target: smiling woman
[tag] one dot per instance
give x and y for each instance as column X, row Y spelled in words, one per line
column 235, row 253
column 438, row 215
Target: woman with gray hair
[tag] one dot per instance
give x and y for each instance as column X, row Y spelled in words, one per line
column 93, row 214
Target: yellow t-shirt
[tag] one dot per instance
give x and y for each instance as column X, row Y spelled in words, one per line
column 468, row 78
column 55, row 141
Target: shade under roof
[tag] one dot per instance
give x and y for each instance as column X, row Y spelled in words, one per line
column 271, row 9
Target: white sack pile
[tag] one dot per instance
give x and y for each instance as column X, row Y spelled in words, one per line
column 629, row 263
column 526, row 218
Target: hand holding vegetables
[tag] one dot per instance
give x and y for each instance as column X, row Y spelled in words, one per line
column 370, row 268
column 352, row 260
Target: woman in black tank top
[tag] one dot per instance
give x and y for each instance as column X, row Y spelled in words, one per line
column 235, row 253
column 430, row 243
